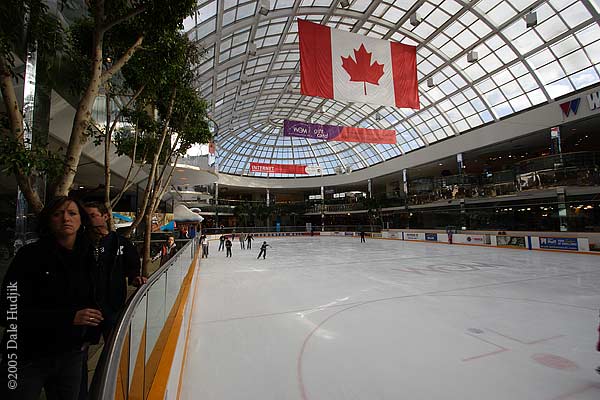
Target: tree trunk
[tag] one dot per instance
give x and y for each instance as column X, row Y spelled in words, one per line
column 84, row 109
column 146, row 256
column 81, row 121
column 150, row 187
column 16, row 128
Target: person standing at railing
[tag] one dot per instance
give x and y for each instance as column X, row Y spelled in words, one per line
column 167, row 251
column 228, row 245
column 117, row 263
column 48, row 296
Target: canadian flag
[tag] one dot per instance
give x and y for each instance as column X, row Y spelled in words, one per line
column 348, row 67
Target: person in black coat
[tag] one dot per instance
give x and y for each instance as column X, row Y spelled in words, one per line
column 228, row 245
column 263, row 250
column 117, row 260
column 49, row 309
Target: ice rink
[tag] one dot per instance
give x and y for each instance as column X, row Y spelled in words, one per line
column 331, row 318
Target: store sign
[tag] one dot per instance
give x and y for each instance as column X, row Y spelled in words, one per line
column 431, row 237
column 594, row 100
column 338, row 133
column 284, row 168
column 556, row 243
column 570, row 106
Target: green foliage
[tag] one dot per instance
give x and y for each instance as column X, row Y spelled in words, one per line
column 42, row 30
column 163, row 68
column 35, row 161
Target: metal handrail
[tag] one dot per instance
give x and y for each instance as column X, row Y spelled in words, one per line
column 104, row 386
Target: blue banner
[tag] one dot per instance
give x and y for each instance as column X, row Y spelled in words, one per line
column 431, row 236
column 558, row 243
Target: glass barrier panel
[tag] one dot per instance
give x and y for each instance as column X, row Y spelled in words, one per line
column 173, row 276
column 155, row 321
column 137, row 351
column 122, row 386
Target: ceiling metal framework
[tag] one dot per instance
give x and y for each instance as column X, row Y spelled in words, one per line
column 250, row 75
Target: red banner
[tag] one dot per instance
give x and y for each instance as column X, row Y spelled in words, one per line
column 278, row 168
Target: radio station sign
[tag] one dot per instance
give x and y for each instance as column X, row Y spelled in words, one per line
column 338, row 133
column 432, row 237
column 556, row 243
column 284, row 168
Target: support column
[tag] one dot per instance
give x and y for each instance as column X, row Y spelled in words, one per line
column 322, row 209
column 561, row 198
column 370, row 188
column 268, row 197
column 216, row 205
column 405, row 187
column 555, row 145
column 459, row 163
column 24, row 218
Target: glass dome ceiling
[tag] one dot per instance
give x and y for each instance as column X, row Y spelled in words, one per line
column 250, row 75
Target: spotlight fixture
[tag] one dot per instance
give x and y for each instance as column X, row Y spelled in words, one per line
column 472, row 56
column 531, row 19
column 263, row 7
column 251, row 49
column 345, row 3
column 415, row 19
column 430, row 82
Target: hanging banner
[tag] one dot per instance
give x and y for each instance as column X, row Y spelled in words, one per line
column 338, row 133
column 284, row 168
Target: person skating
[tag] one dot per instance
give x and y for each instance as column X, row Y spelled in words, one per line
column 228, row 245
column 221, row 242
column 242, row 239
column 263, row 250
column 249, row 240
column 362, row 237
column 598, row 347
column 204, row 243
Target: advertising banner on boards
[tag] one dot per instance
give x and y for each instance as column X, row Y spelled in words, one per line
column 556, row 243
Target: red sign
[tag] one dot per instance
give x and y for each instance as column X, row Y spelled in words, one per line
column 278, row 168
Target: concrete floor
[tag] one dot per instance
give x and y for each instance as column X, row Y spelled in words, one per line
column 331, row 318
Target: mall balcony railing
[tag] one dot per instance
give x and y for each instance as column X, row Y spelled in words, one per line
column 567, row 169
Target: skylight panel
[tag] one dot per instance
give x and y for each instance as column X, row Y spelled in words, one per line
column 551, row 28
column 501, row 13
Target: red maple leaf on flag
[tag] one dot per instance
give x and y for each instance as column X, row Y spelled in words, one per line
column 362, row 70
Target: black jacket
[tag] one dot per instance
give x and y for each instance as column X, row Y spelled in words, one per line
column 118, row 261
column 43, row 289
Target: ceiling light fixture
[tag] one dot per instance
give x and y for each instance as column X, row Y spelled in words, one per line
column 345, row 3
column 472, row 56
column 531, row 19
column 430, row 82
column 251, row 49
column 263, row 7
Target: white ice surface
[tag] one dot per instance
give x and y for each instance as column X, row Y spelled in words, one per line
column 331, row 318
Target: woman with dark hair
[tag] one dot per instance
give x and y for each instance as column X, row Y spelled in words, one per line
column 47, row 306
